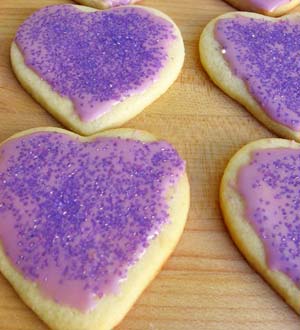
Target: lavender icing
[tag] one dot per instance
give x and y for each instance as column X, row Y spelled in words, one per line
column 75, row 216
column 95, row 59
column 265, row 55
column 269, row 185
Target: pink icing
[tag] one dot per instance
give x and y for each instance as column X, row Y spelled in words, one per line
column 269, row 185
column 267, row 5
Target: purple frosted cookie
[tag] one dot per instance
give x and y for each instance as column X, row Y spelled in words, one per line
column 266, row 7
column 96, row 69
column 260, row 202
column 255, row 59
column 104, row 4
column 86, row 223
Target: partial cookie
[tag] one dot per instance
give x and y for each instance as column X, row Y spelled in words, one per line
column 104, row 4
column 266, row 7
column 86, row 223
column 255, row 60
column 96, row 69
column 260, row 202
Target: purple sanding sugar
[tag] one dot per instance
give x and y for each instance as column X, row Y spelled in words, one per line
column 270, row 187
column 75, row 216
column 95, row 59
column 266, row 55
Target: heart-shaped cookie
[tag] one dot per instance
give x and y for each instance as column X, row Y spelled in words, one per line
column 86, row 223
column 104, row 4
column 266, row 7
column 96, row 69
column 255, row 60
column 261, row 206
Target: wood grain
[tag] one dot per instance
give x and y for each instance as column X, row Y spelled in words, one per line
column 206, row 284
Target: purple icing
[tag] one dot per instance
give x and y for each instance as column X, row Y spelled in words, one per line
column 266, row 56
column 75, row 216
column 95, row 59
column 270, row 187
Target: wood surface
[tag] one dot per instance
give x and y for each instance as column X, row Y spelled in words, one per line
column 206, row 284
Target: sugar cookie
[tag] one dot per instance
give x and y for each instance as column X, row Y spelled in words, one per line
column 87, row 222
column 255, row 59
column 260, row 202
column 266, row 7
column 96, row 69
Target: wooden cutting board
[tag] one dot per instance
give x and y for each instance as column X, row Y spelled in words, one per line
column 206, row 284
